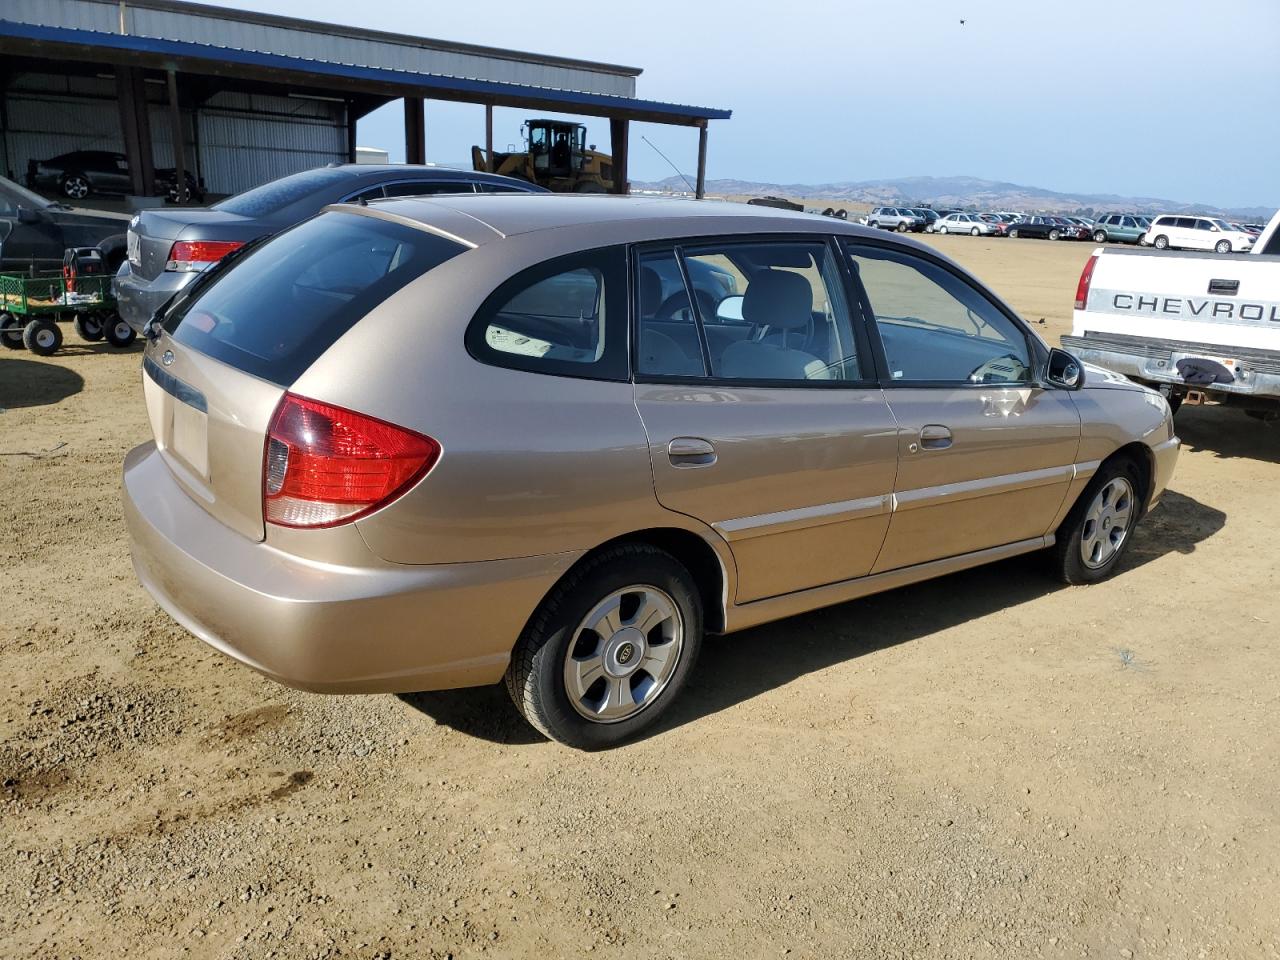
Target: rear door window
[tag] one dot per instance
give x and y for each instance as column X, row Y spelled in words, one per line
column 274, row 312
column 566, row 316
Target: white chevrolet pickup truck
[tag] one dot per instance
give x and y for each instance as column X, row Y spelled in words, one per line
column 1198, row 327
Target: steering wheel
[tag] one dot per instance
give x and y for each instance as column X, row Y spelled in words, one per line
column 680, row 301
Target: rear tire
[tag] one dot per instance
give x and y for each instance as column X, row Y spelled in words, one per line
column 42, row 337
column 118, row 332
column 10, row 331
column 1090, row 541
column 89, row 327
column 550, row 656
column 1161, row 242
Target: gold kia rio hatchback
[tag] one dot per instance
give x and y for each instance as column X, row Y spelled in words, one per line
column 423, row 444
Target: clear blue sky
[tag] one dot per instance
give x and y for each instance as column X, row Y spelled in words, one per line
column 1178, row 99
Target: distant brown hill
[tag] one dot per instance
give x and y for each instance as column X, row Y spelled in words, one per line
column 959, row 192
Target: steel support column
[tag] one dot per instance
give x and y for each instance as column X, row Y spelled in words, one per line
column 488, row 137
column 415, row 130
column 701, row 190
column 179, row 141
column 619, row 137
column 351, row 132
column 135, row 124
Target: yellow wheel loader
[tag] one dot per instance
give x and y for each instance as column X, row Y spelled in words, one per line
column 556, row 157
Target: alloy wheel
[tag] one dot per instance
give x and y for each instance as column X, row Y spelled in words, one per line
column 1107, row 523
column 623, row 653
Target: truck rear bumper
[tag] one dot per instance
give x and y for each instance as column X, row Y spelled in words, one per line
column 1155, row 362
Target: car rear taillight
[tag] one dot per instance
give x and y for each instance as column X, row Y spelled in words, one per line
column 192, row 256
column 1086, row 278
column 325, row 466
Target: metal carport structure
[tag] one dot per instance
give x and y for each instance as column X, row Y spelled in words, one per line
column 294, row 78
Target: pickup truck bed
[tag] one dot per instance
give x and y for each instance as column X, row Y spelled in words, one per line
column 1197, row 326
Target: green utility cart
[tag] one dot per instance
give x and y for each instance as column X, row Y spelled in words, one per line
column 32, row 306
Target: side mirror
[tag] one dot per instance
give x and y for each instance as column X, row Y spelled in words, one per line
column 729, row 310
column 1063, row 370
column 27, row 215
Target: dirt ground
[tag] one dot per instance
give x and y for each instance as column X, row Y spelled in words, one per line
column 987, row 766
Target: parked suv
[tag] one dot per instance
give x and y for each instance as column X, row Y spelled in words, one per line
column 1197, row 233
column 1119, row 228
column 422, row 444
column 167, row 248
column 901, row 219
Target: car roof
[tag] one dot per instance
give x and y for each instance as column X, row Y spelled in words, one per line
column 481, row 218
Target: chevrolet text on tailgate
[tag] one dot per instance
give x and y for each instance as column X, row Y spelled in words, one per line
column 1199, row 327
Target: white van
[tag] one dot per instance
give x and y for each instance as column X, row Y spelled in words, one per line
column 1196, row 233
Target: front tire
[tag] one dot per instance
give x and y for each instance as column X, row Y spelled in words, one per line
column 42, row 337
column 609, row 649
column 1161, row 242
column 1099, row 237
column 942, row 230
column 1099, row 528
column 1223, row 246
column 902, row 227
column 974, row 232
column 1055, row 234
column 1014, row 233
column 76, row 186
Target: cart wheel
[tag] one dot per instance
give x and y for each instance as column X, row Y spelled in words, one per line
column 10, row 331
column 118, row 332
column 42, row 337
column 89, row 326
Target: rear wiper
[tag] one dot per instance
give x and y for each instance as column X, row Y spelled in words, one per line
column 151, row 330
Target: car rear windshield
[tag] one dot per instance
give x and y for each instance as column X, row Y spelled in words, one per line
column 274, row 312
column 267, row 199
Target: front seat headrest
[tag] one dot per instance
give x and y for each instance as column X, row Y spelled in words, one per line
column 650, row 291
column 779, row 299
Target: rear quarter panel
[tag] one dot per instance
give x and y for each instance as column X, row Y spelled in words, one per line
column 531, row 464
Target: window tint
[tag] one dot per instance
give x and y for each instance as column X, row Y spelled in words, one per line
column 291, row 298
column 372, row 193
column 500, row 188
column 669, row 342
column 936, row 327
column 425, row 188
column 557, row 318
column 764, row 311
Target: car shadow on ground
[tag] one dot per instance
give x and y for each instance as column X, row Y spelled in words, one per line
column 1228, row 433
column 35, row 383
column 742, row 666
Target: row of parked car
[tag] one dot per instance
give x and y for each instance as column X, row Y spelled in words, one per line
column 1167, row 231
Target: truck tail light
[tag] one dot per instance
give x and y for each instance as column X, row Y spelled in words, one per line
column 192, row 256
column 1086, row 278
column 325, row 466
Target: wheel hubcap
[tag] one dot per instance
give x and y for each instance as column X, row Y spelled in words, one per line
column 623, row 654
column 1106, row 525
column 45, row 339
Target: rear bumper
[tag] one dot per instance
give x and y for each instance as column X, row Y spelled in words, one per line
column 137, row 298
column 373, row 628
column 1155, row 362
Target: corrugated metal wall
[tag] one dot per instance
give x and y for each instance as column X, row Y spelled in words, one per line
column 321, row 43
column 234, row 141
column 50, row 114
column 248, row 139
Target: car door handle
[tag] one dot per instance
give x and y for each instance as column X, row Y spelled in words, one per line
column 691, row 452
column 935, row 436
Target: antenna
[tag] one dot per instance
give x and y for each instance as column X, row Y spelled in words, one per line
column 669, row 163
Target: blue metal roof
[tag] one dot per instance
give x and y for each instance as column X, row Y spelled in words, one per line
column 419, row 84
